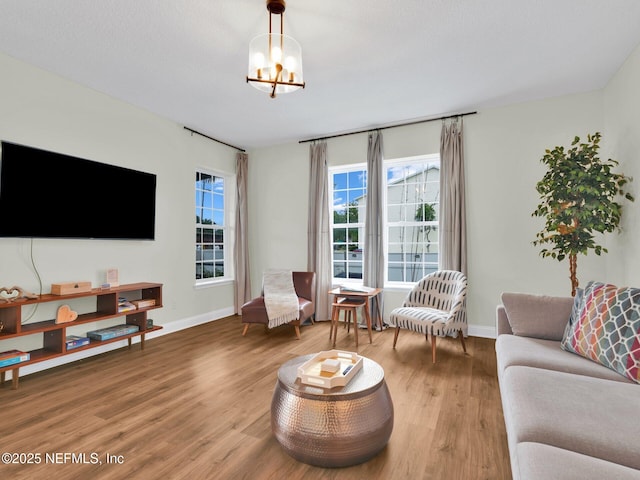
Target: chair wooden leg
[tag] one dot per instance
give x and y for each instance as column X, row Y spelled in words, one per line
column 333, row 321
column 244, row 330
column 433, row 348
column 367, row 316
column 395, row 336
column 297, row 327
column 355, row 325
column 464, row 347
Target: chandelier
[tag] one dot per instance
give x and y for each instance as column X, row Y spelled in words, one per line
column 275, row 59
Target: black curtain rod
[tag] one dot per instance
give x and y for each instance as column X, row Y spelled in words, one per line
column 214, row 139
column 390, row 126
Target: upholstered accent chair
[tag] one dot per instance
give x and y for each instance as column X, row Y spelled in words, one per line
column 304, row 283
column 435, row 307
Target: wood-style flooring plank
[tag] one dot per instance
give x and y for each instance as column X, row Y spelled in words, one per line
column 195, row 404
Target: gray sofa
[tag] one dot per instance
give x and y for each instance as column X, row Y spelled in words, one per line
column 566, row 417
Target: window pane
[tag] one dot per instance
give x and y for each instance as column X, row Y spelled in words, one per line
column 219, row 238
column 207, row 252
column 340, row 216
column 339, row 269
column 357, row 179
column 207, row 270
column 339, row 236
column 218, row 217
column 218, row 201
column 210, row 210
column 340, row 181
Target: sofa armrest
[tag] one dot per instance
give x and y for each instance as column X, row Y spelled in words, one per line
column 502, row 321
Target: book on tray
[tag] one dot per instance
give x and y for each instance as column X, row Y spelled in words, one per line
column 75, row 341
column 11, row 357
column 112, row 332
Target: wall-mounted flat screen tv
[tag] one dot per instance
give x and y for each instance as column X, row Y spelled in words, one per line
column 51, row 195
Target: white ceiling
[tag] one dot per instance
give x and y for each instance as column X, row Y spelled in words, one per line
column 367, row 63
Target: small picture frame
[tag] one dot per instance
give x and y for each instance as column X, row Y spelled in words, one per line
column 112, row 277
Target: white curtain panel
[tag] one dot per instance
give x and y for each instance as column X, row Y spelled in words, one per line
column 374, row 258
column 453, row 226
column 319, row 227
column 241, row 246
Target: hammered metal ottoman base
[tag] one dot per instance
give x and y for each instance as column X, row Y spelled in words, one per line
column 332, row 428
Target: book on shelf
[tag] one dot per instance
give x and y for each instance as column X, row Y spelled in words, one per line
column 125, row 305
column 11, row 357
column 144, row 303
column 112, row 332
column 75, row 341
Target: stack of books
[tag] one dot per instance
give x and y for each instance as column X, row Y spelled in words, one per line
column 125, row 305
column 74, row 341
column 112, row 332
column 11, row 357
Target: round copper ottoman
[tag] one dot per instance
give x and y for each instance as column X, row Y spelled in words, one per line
column 332, row 427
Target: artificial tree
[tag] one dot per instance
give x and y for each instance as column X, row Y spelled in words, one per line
column 579, row 195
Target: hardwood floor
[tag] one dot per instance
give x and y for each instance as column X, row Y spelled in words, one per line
column 196, row 405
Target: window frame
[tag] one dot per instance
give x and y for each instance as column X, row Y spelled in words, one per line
column 426, row 158
column 228, row 227
column 360, row 224
column 400, row 285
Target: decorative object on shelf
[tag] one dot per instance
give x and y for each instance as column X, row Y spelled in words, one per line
column 70, row 288
column 112, row 278
column 578, row 195
column 14, row 293
column 1, row 327
column 275, row 60
column 65, row 314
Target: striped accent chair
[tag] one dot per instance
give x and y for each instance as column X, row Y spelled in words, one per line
column 435, row 307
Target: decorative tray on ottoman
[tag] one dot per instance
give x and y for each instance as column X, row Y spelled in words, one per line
column 330, row 368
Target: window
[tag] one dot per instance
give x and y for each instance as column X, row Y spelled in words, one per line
column 412, row 195
column 349, row 201
column 212, row 227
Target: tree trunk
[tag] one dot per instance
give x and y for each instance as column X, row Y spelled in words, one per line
column 573, row 266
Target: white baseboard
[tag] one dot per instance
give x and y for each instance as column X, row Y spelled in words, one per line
column 482, row 331
column 168, row 328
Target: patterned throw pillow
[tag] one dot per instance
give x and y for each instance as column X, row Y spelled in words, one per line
column 605, row 327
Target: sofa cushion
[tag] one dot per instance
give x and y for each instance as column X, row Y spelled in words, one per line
column 534, row 352
column 591, row 416
column 537, row 461
column 538, row 316
column 607, row 328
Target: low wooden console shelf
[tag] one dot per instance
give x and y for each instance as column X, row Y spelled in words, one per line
column 54, row 334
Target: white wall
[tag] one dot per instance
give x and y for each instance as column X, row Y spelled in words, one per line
column 503, row 148
column 622, row 139
column 45, row 111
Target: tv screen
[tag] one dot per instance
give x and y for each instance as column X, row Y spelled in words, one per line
column 50, row 195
